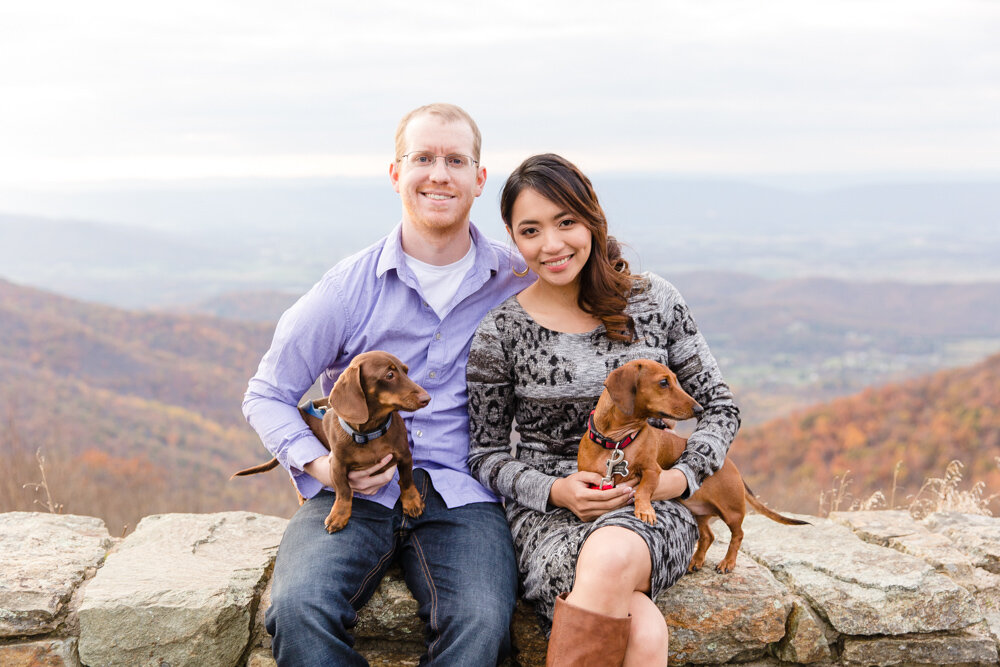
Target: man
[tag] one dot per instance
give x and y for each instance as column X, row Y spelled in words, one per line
column 419, row 293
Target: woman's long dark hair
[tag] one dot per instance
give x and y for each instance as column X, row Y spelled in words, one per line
column 605, row 281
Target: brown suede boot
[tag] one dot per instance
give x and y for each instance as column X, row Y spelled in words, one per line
column 582, row 638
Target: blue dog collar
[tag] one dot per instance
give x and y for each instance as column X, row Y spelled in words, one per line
column 365, row 438
column 311, row 409
column 359, row 437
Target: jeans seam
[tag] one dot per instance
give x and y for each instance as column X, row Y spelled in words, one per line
column 368, row 577
column 432, row 617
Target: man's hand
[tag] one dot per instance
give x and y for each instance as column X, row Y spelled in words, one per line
column 362, row 481
column 366, row 482
column 574, row 493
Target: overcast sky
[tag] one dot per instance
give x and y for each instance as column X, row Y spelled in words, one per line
column 103, row 90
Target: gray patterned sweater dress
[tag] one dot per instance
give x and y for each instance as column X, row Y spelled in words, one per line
column 548, row 382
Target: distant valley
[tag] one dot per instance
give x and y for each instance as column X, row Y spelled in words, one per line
column 155, row 247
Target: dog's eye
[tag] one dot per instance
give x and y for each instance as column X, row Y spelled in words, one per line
column 390, row 375
column 664, row 383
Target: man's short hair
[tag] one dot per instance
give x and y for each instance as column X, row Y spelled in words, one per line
column 447, row 112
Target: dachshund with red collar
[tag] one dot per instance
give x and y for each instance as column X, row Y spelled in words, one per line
column 620, row 442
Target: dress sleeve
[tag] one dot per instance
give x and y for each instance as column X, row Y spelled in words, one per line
column 490, row 379
column 699, row 375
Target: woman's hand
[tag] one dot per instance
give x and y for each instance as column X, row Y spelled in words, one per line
column 573, row 493
column 361, row 481
column 671, row 485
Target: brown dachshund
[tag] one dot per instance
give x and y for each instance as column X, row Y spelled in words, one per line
column 362, row 425
column 644, row 390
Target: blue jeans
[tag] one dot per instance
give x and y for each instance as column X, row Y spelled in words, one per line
column 458, row 563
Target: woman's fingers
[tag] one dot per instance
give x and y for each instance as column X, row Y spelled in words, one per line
column 595, row 502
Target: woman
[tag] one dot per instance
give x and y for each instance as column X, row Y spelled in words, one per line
column 540, row 358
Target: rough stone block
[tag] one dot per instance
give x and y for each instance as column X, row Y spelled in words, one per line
column 261, row 658
column 40, row 653
column 974, row 534
column 716, row 617
column 43, row 559
column 898, row 530
column 179, row 590
column 961, row 648
column 805, row 640
column 391, row 614
column 390, row 653
column 528, row 639
column 859, row 588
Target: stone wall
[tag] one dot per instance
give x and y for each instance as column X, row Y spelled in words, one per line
column 859, row 588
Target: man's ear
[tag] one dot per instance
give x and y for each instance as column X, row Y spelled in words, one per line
column 347, row 398
column 621, row 384
column 480, row 180
column 394, row 175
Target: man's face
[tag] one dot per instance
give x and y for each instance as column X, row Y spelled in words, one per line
column 437, row 198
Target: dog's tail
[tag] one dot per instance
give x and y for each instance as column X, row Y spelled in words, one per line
column 263, row 467
column 768, row 512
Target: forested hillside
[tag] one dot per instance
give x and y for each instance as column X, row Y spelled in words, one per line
column 922, row 424
column 134, row 412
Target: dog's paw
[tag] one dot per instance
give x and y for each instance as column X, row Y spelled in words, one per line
column 334, row 523
column 413, row 504
column 646, row 515
column 697, row 562
column 725, row 567
column 414, row 509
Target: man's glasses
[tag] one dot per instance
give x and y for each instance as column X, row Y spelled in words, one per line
column 427, row 159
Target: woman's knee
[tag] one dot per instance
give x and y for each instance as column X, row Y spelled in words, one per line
column 615, row 554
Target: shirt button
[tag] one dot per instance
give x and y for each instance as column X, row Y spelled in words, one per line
column 437, row 336
column 433, row 374
column 420, row 434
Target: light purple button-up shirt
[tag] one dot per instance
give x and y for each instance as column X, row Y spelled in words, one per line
column 372, row 301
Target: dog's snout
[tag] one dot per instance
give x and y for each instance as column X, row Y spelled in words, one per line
column 697, row 409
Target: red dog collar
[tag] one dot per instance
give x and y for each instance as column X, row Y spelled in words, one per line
column 604, row 441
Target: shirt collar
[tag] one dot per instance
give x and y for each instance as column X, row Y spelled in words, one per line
column 392, row 257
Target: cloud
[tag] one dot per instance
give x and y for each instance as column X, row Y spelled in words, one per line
column 122, row 89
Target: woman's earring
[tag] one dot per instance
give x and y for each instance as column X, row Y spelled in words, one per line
column 520, row 274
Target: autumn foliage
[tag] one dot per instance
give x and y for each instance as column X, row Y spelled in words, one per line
column 922, row 424
column 135, row 413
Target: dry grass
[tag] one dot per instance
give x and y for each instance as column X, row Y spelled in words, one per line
column 945, row 495
column 55, row 478
column 49, row 505
column 938, row 494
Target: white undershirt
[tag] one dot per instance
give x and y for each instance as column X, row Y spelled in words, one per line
column 440, row 283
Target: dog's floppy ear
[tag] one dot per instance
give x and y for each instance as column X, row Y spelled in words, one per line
column 621, row 384
column 348, row 396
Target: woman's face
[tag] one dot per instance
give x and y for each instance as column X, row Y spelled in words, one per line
column 554, row 242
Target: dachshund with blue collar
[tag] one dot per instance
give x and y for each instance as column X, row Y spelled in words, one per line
column 359, row 423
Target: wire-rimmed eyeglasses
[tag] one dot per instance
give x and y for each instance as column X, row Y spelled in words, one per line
column 427, row 159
